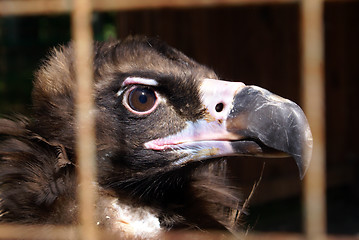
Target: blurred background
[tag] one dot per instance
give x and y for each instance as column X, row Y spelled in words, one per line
column 255, row 44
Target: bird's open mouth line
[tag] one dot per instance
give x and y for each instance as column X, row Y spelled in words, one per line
column 199, row 150
column 214, row 148
column 187, row 144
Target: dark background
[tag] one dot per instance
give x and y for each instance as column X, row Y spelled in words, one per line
column 257, row 45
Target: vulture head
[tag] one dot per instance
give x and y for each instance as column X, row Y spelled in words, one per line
column 164, row 127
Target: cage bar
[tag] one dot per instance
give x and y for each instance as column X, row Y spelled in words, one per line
column 40, row 7
column 86, row 139
column 313, row 98
column 12, row 231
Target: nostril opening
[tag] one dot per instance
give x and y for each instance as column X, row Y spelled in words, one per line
column 219, row 107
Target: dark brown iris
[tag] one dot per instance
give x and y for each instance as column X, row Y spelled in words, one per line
column 142, row 99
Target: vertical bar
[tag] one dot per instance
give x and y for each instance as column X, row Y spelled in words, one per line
column 313, row 97
column 86, row 148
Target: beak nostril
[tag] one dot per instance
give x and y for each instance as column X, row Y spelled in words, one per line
column 219, row 107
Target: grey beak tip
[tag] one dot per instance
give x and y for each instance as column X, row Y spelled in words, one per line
column 304, row 162
column 276, row 122
column 304, row 142
column 302, row 169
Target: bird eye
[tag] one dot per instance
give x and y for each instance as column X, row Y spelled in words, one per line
column 141, row 99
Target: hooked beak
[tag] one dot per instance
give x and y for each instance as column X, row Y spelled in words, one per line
column 242, row 121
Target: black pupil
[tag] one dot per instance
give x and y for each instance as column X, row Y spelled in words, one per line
column 142, row 99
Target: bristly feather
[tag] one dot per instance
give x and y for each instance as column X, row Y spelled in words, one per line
column 33, row 175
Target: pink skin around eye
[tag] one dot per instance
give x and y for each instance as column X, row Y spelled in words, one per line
column 126, row 104
column 139, row 81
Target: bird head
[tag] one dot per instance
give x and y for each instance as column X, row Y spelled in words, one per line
column 159, row 112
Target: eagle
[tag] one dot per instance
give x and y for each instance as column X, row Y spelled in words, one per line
column 165, row 126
